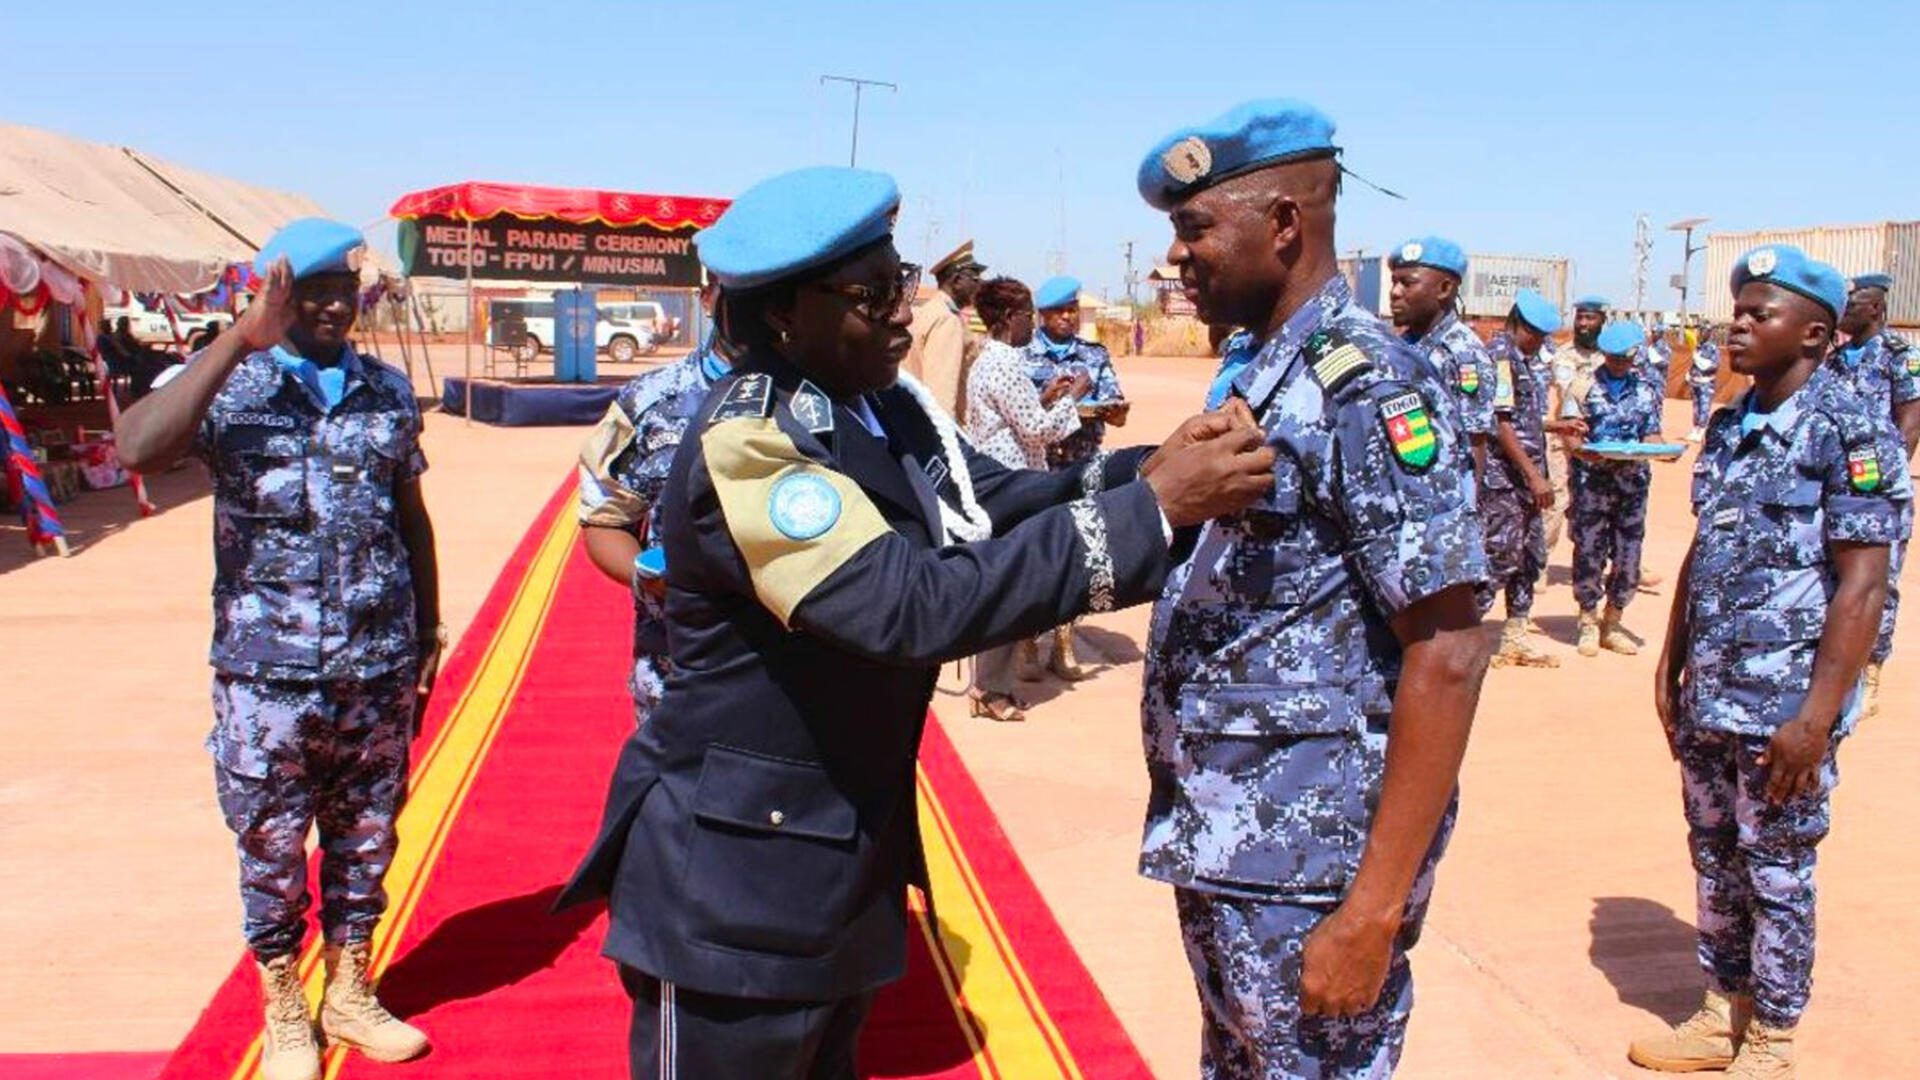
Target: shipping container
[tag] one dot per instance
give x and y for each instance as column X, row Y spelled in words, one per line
column 1486, row 292
column 1887, row 246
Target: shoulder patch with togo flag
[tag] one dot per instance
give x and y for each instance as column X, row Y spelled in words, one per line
column 1409, row 430
column 1863, row 469
column 749, row 398
column 1469, row 377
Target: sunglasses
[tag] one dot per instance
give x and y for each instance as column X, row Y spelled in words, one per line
column 879, row 302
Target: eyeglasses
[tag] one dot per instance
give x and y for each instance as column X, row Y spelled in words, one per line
column 878, row 303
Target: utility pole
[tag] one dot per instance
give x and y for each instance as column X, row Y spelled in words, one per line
column 1642, row 260
column 1686, row 258
column 858, row 85
column 1129, row 278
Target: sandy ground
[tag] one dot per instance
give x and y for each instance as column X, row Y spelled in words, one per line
column 1560, row 928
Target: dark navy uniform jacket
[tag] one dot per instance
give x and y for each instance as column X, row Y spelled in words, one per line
column 761, row 828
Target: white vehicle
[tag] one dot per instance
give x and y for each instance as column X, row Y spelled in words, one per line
column 151, row 327
column 624, row 330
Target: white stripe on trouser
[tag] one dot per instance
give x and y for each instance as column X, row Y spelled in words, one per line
column 669, row 1051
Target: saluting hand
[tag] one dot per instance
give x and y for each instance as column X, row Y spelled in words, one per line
column 266, row 321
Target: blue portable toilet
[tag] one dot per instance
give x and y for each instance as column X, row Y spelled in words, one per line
column 575, row 312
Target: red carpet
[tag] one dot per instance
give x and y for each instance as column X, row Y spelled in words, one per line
column 507, row 788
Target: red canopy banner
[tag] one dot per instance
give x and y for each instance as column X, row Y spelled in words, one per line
column 479, row 201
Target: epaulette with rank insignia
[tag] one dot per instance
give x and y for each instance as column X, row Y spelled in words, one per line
column 1896, row 343
column 749, row 398
column 1335, row 363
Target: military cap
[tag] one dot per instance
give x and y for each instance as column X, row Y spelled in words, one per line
column 1592, row 302
column 1250, row 136
column 1620, row 338
column 1435, row 251
column 1537, row 311
column 960, row 258
column 1058, row 291
column 797, row 221
column 1873, row 281
column 1790, row 268
column 313, row 246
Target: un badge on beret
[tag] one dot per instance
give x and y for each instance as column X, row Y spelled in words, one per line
column 1411, row 252
column 1188, row 160
column 1762, row 262
column 803, row 506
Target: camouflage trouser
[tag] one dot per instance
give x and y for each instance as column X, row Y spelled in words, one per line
column 1754, row 861
column 1516, row 546
column 1554, row 520
column 290, row 754
column 1609, row 521
column 1702, row 402
column 1246, row 959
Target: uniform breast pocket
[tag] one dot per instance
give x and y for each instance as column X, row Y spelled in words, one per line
column 1789, row 522
column 773, row 863
column 1275, row 796
column 1269, row 563
column 265, row 484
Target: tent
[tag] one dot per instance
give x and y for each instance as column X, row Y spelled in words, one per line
column 113, row 217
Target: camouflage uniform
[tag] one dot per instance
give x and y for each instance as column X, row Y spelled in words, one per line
column 623, row 469
column 1571, row 370
column 1655, row 361
column 315, row 646
column 1464, row 366
column 1768, row 505
column 1516, row 536
column 1271, row 670
column 1884, row 372
column 1077, row 355
column 1701, row 376
column 1609, row 512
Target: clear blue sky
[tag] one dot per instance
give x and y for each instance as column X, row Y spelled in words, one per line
column 1516, row 128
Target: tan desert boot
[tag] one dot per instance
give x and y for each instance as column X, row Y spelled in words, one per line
column 1515, row 651
column 288, row 1049
column 1613, row 638
column 1765, row 1054
column 1063, row 662
column 1589, row 633
column 1026, row 661
column 352, row 1016
column 1704, row 1040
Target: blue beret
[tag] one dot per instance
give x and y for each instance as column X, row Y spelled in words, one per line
column 795, row 222
column 1621, row 338
column 1250, row 136
column 1591, row 302
column 1057, row 292
column 1435, row 251
column 313, row 246
column 1873, row 281
column 1790, row 268
column 1537, row 311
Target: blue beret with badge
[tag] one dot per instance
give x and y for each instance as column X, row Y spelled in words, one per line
column 1621, row 338
column 1537, row 311
column 1790, row 268
column 1873, row 281
column 1055, row 292
column 313, row 246
column 795, row 222
column 1253, row 135
column 1435, row 251
column 1591, row 302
